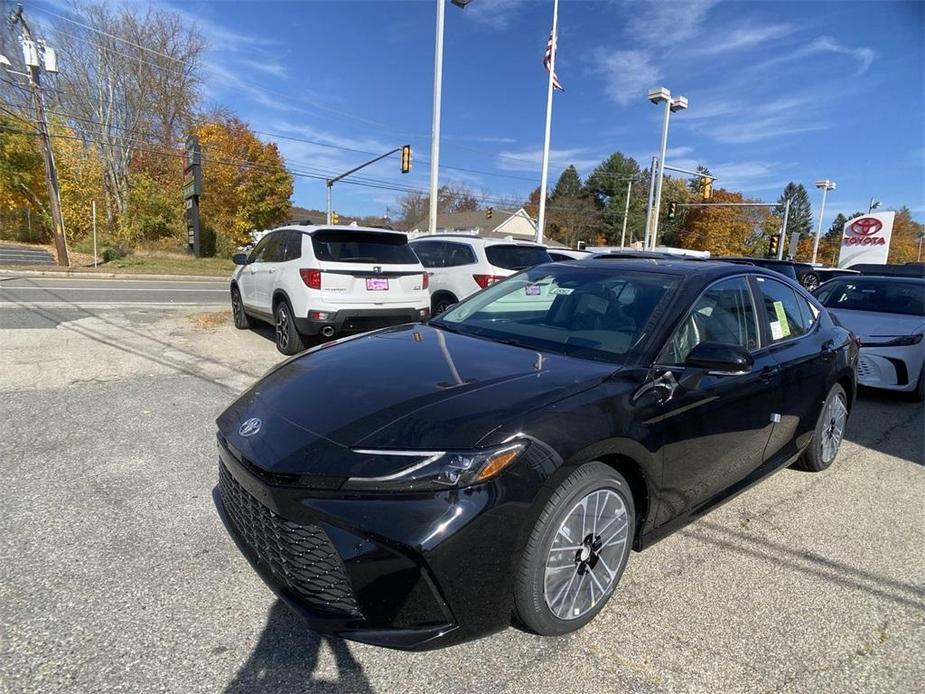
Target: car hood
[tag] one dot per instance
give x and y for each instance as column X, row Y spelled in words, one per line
column 867, row 324
column 411, row 387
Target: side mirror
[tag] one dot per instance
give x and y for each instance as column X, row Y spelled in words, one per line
column 239, row 258
column 720, row 358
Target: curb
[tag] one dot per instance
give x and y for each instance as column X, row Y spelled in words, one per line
column 110, row 275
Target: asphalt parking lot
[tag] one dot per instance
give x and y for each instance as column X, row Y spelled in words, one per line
column 116, row 574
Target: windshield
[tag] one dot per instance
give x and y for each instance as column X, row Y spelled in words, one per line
column 516, row 257
column 363, row 247
column 890, row 296
column 581, row 312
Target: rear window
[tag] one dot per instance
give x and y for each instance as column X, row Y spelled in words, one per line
column 363, row 247
column 516, row 257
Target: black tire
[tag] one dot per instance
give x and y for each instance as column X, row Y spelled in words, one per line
column 241, row 320
column 288, row 339
column 817, row 456
column 810, row 281
column 440, row 303
column 595, row 481
column 918, row 395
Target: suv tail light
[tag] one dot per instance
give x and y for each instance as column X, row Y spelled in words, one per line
column 312, row 278
column 486, row 280
column 425, row 282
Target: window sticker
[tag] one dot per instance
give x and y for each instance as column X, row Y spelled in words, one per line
column 561, row 291
column 776, row 332
column 532, row 290
column 783, row 325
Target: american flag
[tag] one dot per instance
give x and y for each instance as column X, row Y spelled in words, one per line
column 547, row 60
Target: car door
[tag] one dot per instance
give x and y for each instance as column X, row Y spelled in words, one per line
column 264, row 269
column 714, row 427
column 804, row 354
column 247, row 279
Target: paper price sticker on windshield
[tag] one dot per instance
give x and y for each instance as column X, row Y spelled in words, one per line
column 532, row 290
column 782, row 323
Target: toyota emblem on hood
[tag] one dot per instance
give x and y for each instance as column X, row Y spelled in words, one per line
column 250, row 427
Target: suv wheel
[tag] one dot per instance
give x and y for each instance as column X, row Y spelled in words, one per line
column 830, row 430
column 241, row 320
column 810, row 281
column 288, row 339
column 577, row 551
column 441, row 303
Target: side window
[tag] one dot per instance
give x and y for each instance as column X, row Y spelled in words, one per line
column 263, row 249
column 293, row 245
column 458, row 254
column 429, row 253
column 782, row 311
column 724, row 313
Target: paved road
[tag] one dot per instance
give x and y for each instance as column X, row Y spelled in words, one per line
column 80, row 292
column 22, row 255
column 115, row 573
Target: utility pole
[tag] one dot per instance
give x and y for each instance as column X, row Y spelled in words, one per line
column 31, row 56
column 645, row 241
column 626, row 212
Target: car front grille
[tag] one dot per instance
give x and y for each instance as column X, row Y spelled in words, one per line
column 300, row 557
column 868, row 370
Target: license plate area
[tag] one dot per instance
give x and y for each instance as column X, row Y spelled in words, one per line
column 377, row 284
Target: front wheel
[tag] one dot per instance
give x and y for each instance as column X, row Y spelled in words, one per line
column 577, row 551
column 830, row 430
column 288, row 339
column 241, row 320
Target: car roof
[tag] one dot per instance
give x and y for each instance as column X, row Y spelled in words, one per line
column 313, row 228
column 879, row 279
column 765, row 261
column 678, row 265
column 463, row 236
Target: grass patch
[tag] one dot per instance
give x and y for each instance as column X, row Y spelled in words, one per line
column 169, row 264
column 210, row 320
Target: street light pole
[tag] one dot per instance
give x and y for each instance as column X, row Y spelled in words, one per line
column 826, row 185
column 626, row 211
column 656, row 96
column 435, row 129
column 645, row 238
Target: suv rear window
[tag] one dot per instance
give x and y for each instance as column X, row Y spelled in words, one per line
column 363, row 247
column 516, row 257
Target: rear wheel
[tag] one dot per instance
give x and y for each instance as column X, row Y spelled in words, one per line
column 830, row 431
column 919, row 393
column 441, row 303
column 810, row 281
column 288, row 339
column 577, row 551
column 241, row 320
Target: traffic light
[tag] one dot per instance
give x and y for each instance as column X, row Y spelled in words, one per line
column 672, row 210
column 706, row 188
column 489, row 212
column 334, row 218
column 406, row 158
column 773, row 245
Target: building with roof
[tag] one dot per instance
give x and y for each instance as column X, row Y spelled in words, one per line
column 503, row 223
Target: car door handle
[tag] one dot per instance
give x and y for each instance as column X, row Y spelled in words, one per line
column 769, row 372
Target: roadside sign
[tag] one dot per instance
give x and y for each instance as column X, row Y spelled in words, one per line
column 866, row 239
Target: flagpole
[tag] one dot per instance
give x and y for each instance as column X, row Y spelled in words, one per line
column 544, row 178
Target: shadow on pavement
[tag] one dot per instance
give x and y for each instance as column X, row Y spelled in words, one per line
column 286, row 657
column 889, row 423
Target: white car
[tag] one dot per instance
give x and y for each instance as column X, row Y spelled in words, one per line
column 462, row 264
column 888, row 315
column 310, row 280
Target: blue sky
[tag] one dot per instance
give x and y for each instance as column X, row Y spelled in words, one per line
column 778, row 91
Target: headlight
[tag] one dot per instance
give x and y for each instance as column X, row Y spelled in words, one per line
column 436, row 470
column 901, row 341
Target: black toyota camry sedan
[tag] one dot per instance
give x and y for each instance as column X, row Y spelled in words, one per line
column 426, row 484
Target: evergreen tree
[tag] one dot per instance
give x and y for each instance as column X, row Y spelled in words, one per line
column 838, row 227
column 607, row 184
column 568, row 185
column 801, row 214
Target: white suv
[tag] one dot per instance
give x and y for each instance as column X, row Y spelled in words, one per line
column 307, row 280
column 462, row 264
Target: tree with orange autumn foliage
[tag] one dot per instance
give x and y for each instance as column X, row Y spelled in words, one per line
column 724, row 230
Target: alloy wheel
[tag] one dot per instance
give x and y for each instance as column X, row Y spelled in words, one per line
column 586, row 554
column 282, row 328
column 836, row 414
column 236, row 307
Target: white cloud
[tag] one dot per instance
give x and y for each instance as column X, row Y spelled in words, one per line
column 741, row 38
column 531, row 159
column 268, row 67
column 861, row 55
column 495, row 14
column 667, row 21
column 627, row 74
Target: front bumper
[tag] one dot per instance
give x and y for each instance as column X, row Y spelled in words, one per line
column 891, row 368
column 358, row 320
column 412, row 572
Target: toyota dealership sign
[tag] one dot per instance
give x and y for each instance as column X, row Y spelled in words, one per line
column 866, row 239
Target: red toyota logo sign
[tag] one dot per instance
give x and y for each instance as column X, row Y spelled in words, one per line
column 866, row 226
